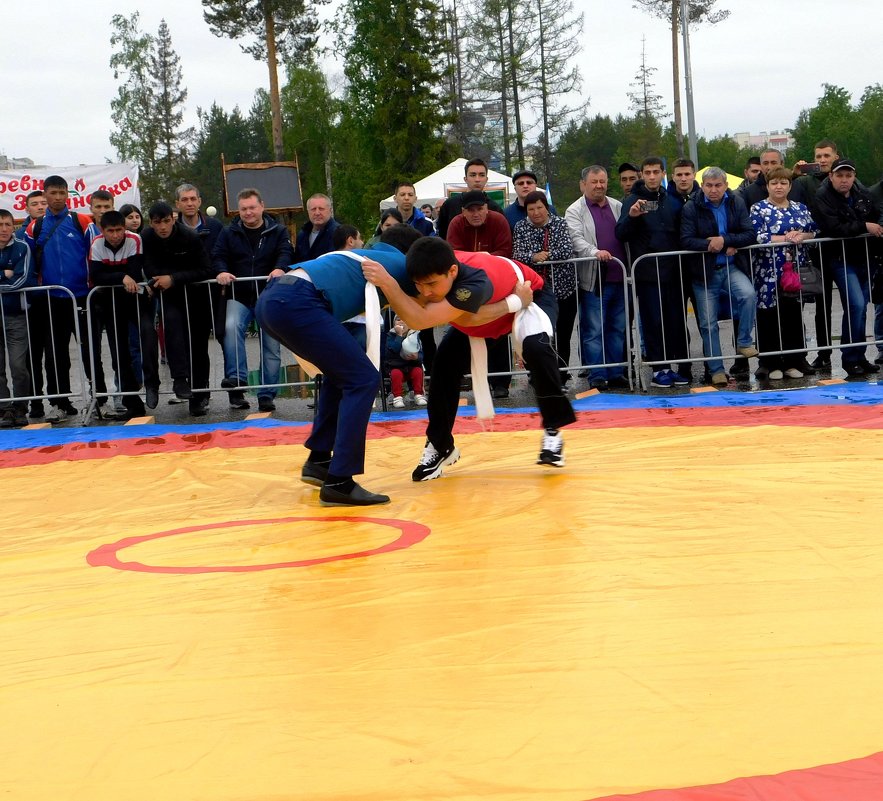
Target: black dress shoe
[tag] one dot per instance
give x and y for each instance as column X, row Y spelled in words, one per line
column 740, row 368
column 151, row 397
column 238, row 401
column 357, row 496
column 181, row 388
column 821, row 362
column 199, row 407
column 314, row 473
column 805, row 367
column 598, row 383
column 868, row 367
column 854, row 369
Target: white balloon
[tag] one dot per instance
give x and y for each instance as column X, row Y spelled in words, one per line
column 211, row 211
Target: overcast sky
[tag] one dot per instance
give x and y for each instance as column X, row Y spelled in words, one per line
column 754, row 72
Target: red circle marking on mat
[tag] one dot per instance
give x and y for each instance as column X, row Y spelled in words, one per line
column 107, row 555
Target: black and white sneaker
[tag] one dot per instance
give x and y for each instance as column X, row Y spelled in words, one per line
column 432, row 462
column 552, row 450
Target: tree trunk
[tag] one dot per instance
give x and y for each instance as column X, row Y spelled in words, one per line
column 519, row 134
column 504, row 94
column 676, row 77
column 275, row 103
column 544, row 89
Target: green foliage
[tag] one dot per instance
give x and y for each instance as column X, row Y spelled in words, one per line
column 593, row 141
column 220, row 132
column 855, row 128
column 167, row 112
column 309, row 114
column 393, row 116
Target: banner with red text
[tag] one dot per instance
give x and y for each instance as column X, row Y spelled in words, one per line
column 82, row 181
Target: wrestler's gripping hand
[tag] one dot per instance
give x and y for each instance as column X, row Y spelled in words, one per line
column 375, row 273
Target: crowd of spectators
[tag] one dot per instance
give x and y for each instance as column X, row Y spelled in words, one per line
column 157, row 307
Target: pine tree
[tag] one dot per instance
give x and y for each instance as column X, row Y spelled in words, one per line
column 275, row 28
column 135, row 135
column 148, row 109
column 168, row 110
column 395, row 108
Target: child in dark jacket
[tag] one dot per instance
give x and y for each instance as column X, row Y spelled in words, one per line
column 404, row 359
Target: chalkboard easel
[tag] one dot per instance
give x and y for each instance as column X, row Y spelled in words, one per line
column 277, row 181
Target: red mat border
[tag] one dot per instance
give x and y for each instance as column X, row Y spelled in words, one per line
column 839, row 416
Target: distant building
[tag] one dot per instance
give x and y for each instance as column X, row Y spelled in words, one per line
column 7, row 163
column 780, row 140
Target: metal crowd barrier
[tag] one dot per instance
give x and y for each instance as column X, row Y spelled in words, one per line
column 53, row 319
column 819, row 339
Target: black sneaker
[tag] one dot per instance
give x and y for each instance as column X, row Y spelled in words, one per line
column 357, row 496
column 821, row 362
column 854, row 369
column 868, row 367
column 314, row 473
column 552, row 450
column 432, row 462
column 266, row 405
column 181, row 388
column 238, row 401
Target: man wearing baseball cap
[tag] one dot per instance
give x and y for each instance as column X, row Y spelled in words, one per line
column 525, row 182
column 844, row 208
column 478, row 229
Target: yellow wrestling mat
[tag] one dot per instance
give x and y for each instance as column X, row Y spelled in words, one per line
column 678, row 606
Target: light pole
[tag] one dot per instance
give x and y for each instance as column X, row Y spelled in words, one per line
column 688, row 81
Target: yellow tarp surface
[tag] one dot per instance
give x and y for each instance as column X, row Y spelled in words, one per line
column 677, row 606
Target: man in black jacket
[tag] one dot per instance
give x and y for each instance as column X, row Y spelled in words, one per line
column 252, row 246
column 174, row 260
column 845, row 209
column 648, row 223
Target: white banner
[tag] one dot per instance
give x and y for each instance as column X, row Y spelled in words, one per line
column 119, row 179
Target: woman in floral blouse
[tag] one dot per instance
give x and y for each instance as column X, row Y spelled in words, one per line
column 779, row 313
column 541, row 238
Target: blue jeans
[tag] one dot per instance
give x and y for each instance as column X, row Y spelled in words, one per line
column 730, row 283
column 239, row 316
column 855, row 295
column 602, row 329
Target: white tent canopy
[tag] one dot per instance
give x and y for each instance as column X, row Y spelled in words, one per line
column 432, row 187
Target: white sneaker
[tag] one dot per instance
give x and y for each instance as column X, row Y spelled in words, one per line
column 420, row 400
column 552, row 450
column 398, row 402
column 776, row 375
column 793, row 372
